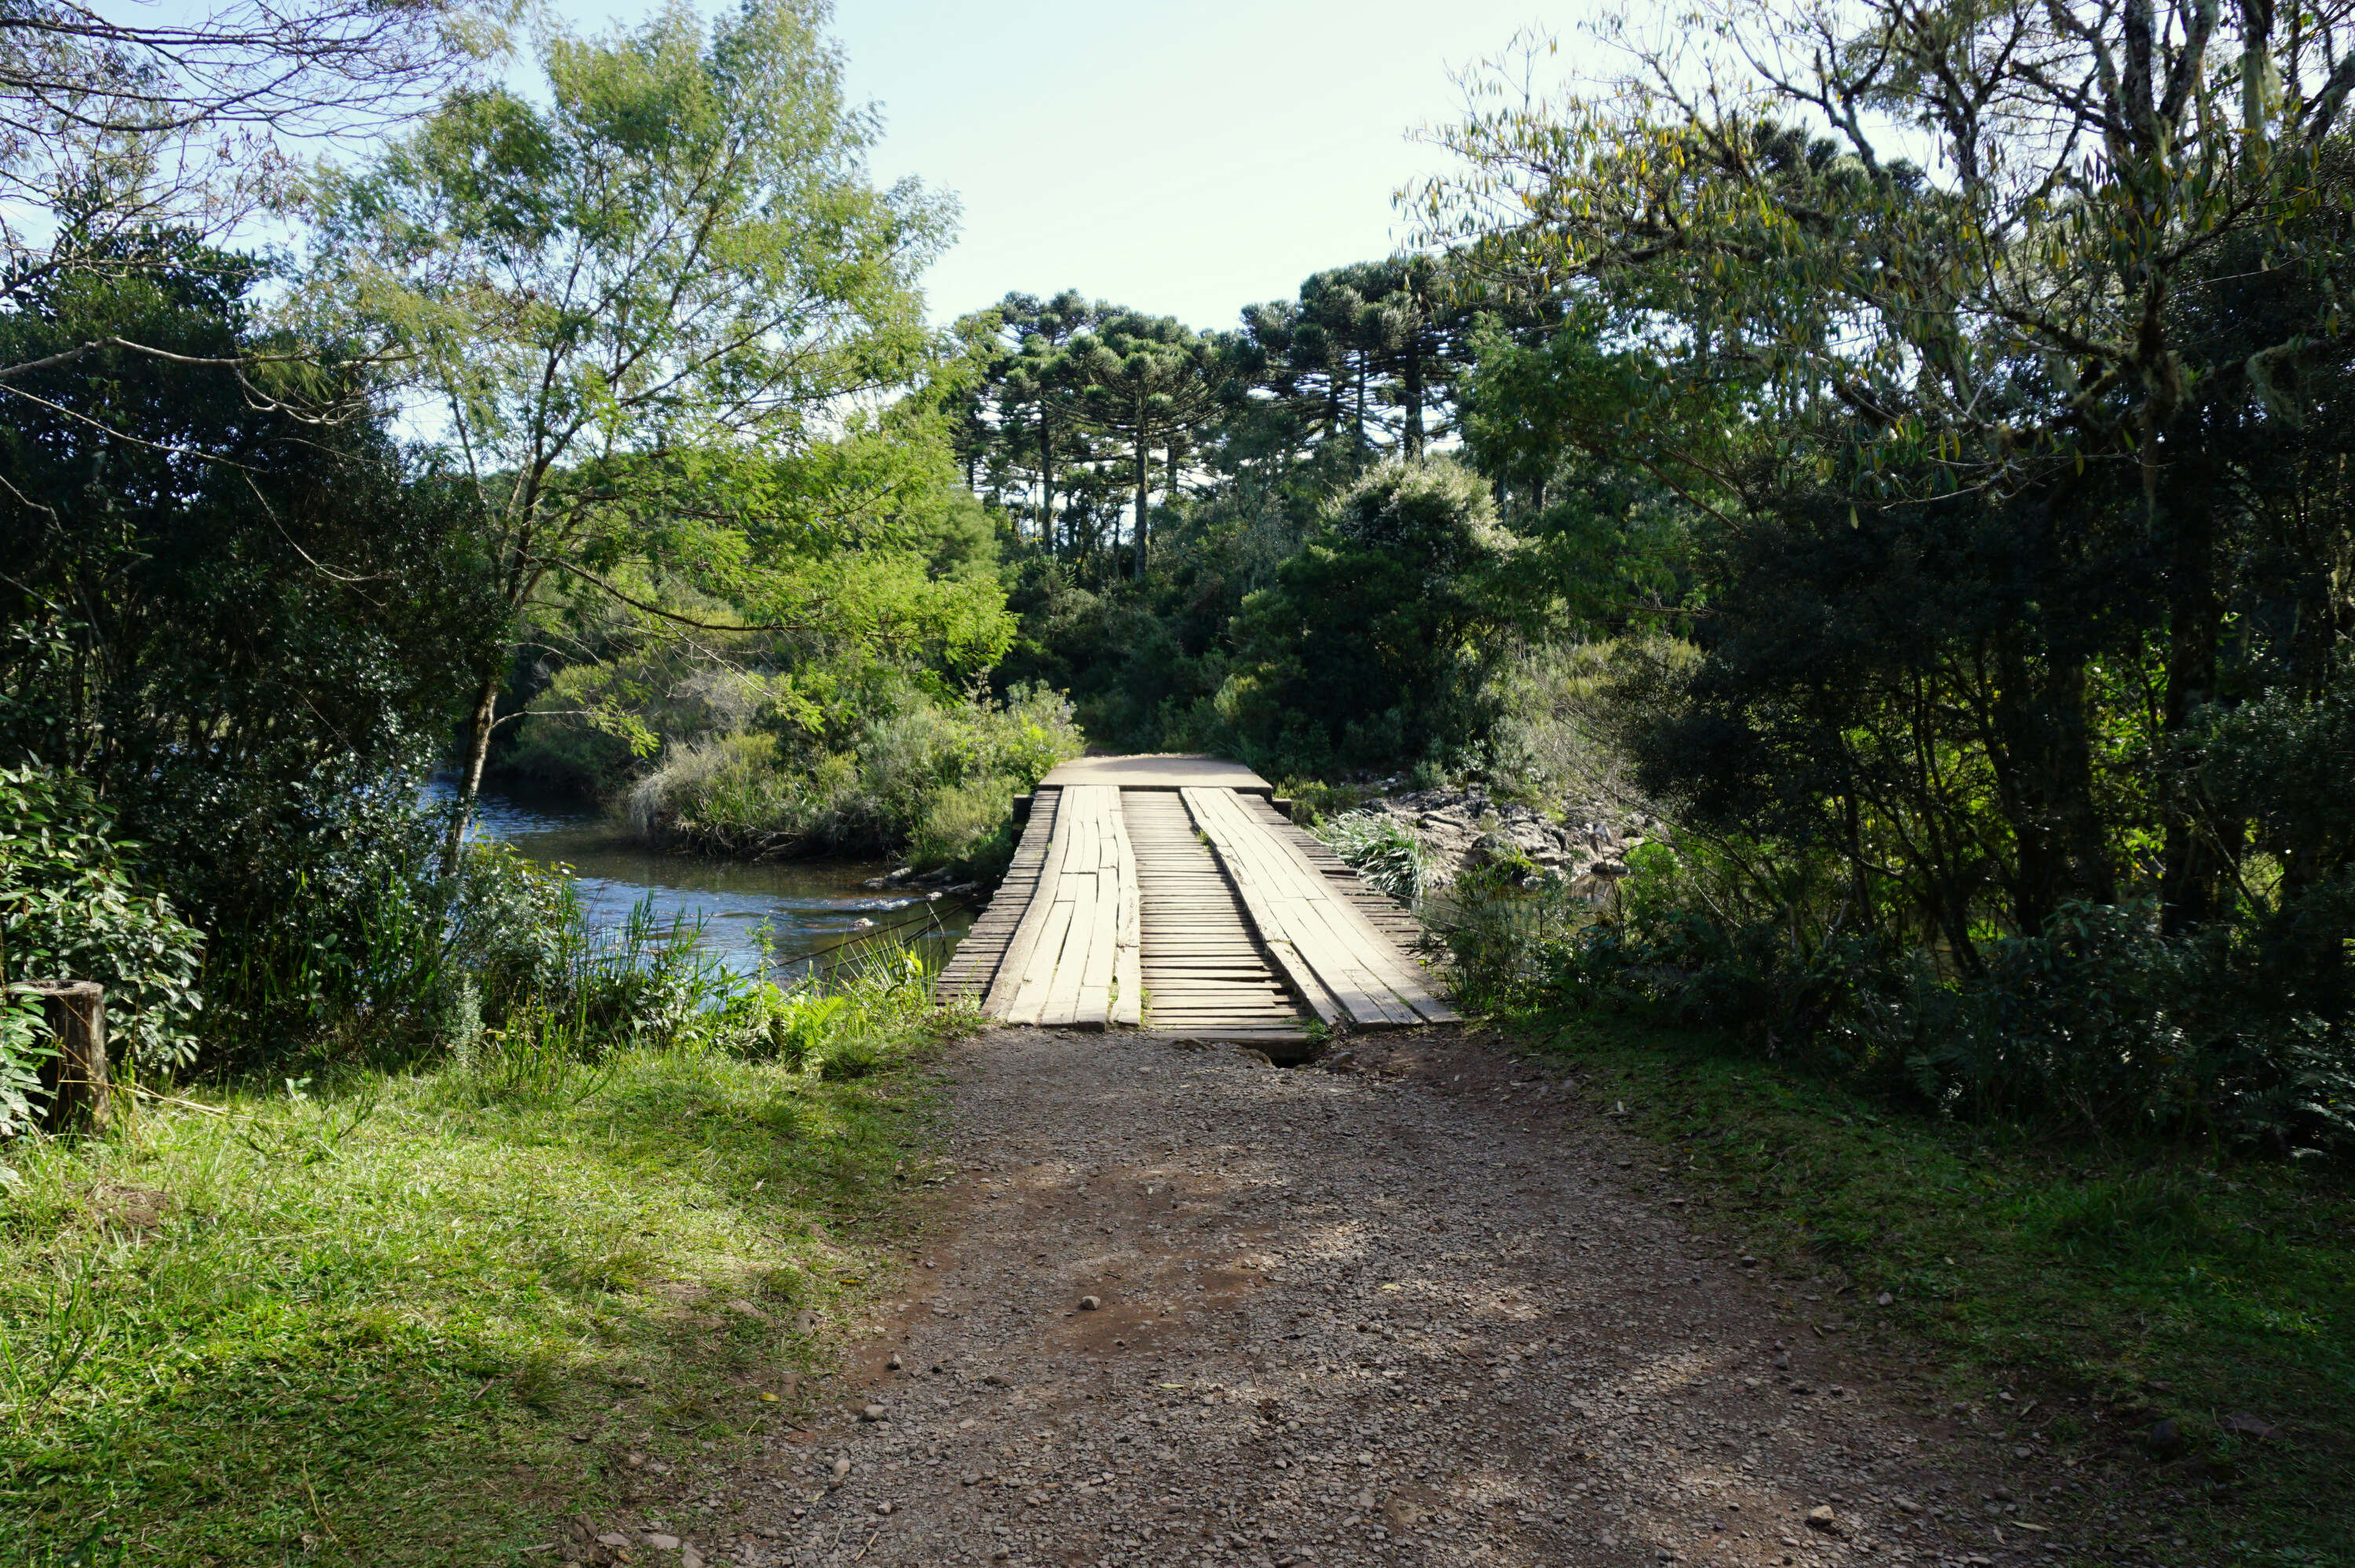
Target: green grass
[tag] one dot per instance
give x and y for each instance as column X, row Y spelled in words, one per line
column 2119, row 1286
column 415, row 1320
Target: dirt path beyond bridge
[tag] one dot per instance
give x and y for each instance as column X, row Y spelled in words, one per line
column 1184, row 1308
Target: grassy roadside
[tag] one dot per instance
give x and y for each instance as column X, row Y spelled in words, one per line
column 416, row 1319
column 2142, row 1298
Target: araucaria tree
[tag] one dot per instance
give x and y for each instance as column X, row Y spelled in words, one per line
column 1146, row 379
column 621, row 304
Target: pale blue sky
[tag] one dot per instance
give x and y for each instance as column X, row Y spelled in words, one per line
column 1185, row 159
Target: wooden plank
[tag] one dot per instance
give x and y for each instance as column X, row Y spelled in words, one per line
column 1208, row 974
column 1365, row 976
column 972, row 970
column 1028, row 932
column 1261, row 902
column 1062, row 1007
column 1127, row 1005
column 1368, row 947
column 1029, row 999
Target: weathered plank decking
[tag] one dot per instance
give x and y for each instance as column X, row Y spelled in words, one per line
column 973, row 966
column 1073, row 961
column 1347, row 971
column 1204, row 969
column 1169, row 890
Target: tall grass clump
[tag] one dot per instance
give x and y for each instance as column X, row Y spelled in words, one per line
column 853, row 1016
column 1385, row 851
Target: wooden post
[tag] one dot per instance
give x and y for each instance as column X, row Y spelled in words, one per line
column 76, row 1075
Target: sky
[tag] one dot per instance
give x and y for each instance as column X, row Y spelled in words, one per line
column 1183, row 159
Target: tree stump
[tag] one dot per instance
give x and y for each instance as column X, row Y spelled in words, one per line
column 80, row 1099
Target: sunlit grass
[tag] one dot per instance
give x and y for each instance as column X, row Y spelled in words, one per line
column 412, row 1320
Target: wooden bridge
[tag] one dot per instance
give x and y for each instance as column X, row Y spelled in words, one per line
column 1169, row 893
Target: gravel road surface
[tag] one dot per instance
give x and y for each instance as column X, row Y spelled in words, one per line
column 1183, row 1307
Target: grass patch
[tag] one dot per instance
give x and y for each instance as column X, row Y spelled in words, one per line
column 2121, row 1288
column 417, row 1319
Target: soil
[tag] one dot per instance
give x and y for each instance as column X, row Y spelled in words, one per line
column 1418, row 1305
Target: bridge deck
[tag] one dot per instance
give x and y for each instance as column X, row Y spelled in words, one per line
column 1173, row 894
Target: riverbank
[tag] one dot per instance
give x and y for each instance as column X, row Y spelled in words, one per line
column 424, row 1318
column 789, row 913
column 925, row 778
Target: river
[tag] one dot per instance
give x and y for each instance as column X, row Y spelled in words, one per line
column 812, row 908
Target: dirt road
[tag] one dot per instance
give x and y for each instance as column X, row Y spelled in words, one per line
column 1414, row 1311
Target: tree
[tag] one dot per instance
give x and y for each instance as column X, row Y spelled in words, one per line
column 111, row 127
column 618, row 302
column 1147, row 379
column 1367, row 649
column 1037, row 401
column 2001, row 345
column 236, row 624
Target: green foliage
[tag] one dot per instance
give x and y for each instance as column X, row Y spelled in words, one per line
column 2008, row 752
column 914, row 772
column 642, row 308
column 1385, row 851
column 25, row 1044
column 243, row 640
column 2102, row 1025
column 1369, row 650
column 72, row 906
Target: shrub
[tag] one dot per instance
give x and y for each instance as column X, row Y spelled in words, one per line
column 933, row 778
column 72, row 906
column 2101, row 1023
column 1371, row 649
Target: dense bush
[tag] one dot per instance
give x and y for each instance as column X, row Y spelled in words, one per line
column 1372, row 648
column 74, row 906
column 2101, row 1023
column 930, row 778
column 248, row 658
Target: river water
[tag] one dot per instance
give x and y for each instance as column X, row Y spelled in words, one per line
column 812, row 909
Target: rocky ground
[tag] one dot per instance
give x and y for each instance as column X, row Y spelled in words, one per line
column 1463, row 830
column 1182, row 1307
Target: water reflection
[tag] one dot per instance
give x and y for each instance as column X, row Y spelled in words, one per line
column 812, row 907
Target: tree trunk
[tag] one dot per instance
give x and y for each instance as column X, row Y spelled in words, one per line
column 2043, row 764
column 2192, row 866
column 80, row 1098
column 1144, row 485
column 470, row 779
column 1357, row 452
column 1047, row 485
column 1410, row 385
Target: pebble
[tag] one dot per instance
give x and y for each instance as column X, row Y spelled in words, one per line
column 660, row 1542
column 1090, row 1303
